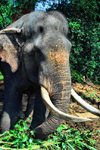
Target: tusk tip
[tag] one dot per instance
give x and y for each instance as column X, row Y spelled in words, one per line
column 84, row 104
column 83, row 119
column 11, row 30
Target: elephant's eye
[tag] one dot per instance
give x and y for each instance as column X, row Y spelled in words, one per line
column 36, row 54
column 1, row 47
column 41, row 29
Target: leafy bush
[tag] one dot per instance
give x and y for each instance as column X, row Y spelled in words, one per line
column 9, row 7
column 85, row 55
column 5, row 15
column 64, row 138
column 24, row 4
column 1, row 76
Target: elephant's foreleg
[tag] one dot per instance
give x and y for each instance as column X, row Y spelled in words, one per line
column 39, row 110
column 10, row 108
column 30, row 105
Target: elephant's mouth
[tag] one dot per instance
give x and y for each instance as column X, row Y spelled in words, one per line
column 64, row 116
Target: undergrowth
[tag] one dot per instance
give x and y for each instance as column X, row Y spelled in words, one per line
column 64, row 138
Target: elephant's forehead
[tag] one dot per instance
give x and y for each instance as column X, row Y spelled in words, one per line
column 59, row 57
column 52, row 20
column 58, row 52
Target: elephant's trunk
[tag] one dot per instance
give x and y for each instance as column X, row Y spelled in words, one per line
column 55, row 77
column 60, row 96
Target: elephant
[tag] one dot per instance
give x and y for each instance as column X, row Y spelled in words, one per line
column 34, row 54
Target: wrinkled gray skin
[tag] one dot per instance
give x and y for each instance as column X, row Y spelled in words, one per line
column 39, row 55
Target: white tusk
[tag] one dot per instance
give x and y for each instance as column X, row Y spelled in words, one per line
column 84, row 104
column 58, row 113
column 10, row 30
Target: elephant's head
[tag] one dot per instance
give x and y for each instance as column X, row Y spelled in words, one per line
column 38, row 43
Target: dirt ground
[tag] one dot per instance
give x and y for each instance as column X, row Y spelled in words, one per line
column 91, row 94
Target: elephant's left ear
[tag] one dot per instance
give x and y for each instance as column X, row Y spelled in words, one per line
column 8, row 52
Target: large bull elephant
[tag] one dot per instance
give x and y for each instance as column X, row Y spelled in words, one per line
column 35, row 56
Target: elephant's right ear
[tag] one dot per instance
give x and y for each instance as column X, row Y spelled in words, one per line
column 8, row 52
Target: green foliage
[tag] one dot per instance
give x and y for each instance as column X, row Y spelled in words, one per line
column 70, row 139
column 24, row 4
column 9, row 7
column 5, row 15
column 64, row 138
column 1, row 76
column 85, row 51
column 92, row 95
